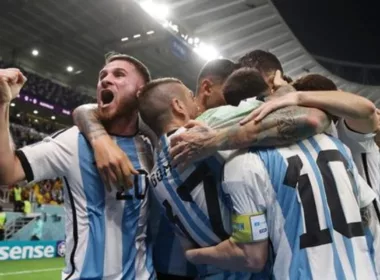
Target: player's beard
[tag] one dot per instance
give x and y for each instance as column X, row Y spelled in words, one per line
column 124, row 108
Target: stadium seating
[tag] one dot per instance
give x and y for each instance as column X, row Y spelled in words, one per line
column 25, row 130
column 47, row 91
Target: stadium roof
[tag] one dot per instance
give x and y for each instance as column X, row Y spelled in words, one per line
column 78, row 33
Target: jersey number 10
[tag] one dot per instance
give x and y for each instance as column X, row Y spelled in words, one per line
column 314, row 235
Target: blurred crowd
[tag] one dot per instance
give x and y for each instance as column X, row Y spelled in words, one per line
column 50, row 92
column 38, row 124
column 45, row 192
column 23, row 136
column 27, row 129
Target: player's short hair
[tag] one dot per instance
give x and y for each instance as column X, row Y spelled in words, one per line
column 217, row 70
column 141, row 68
column 154, row 102
column 314, row 82
column 242, row 84
column 263, row 61
column 287, row 79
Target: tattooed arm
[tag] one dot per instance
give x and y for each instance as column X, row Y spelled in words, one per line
column 282, row 127
column 86, row 118
column 113, row 164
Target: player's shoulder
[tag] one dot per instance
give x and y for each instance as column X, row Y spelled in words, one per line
column 346, row 131
column 243, row 161
column 65, row 132
column 63, row 135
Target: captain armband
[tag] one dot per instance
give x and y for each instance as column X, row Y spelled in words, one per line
column 249, row 228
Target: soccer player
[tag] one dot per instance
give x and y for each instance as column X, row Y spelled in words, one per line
column 309, row 196
column 105, row 231
column 356, row 122
column 213, row 73
column 267, row 64
column 199, row 213
column 303, row 195
column 168, row 255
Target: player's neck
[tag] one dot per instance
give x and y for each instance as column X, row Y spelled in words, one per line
column 174, row 125
column 201, row 108
column 124, row 125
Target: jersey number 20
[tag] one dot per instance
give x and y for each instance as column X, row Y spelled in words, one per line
column 140, row 191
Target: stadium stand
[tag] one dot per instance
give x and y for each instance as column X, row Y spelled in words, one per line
column 50, row 92
column 27, row 129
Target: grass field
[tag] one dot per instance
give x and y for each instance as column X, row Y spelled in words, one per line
column 43, row 269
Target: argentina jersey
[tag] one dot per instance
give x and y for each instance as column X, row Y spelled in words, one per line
column 168, row 254
column 312, row 202
column 193, row 201
column 105, row 231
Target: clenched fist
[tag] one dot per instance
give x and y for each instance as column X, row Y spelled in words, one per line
column 11, row 82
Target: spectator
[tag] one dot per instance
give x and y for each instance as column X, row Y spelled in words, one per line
column 3, row 220
column 18, row 204
column 27, row 207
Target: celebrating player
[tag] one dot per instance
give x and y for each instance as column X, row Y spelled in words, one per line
column 356, row 122
column 210, row 95
column 308, row 196
column 165, row 105
column 105, row 231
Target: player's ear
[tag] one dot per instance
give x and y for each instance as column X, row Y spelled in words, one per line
column 178, row 107
column 206, row 86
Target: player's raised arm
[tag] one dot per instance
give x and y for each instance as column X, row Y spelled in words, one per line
column 358, row 112
column 282, row 127
column 11, row 82
column 113, row 164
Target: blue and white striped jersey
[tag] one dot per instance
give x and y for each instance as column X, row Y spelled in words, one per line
column 105, row 231
column 168, row 254
column 194, row 202
column 366, row 156
column 311, row 194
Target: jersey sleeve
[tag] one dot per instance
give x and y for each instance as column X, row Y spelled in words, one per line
column 365, row 193
column 246, row 184
column 225, row 116
column 49, row 158
column 357, row 142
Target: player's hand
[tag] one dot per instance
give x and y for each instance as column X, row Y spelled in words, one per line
column 195, row 256
column 113, row 164
column 193, row 145
column 11, row 82
column 290, row 99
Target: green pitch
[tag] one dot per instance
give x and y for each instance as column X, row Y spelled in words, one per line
column 43, row 269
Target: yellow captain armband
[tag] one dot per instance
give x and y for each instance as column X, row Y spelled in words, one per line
column 249, row 228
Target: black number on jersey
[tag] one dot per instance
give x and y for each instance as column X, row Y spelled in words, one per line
column 176, row 221
column 157, row 175
column 314, row 236
column 140, row 191
column 204, row 174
